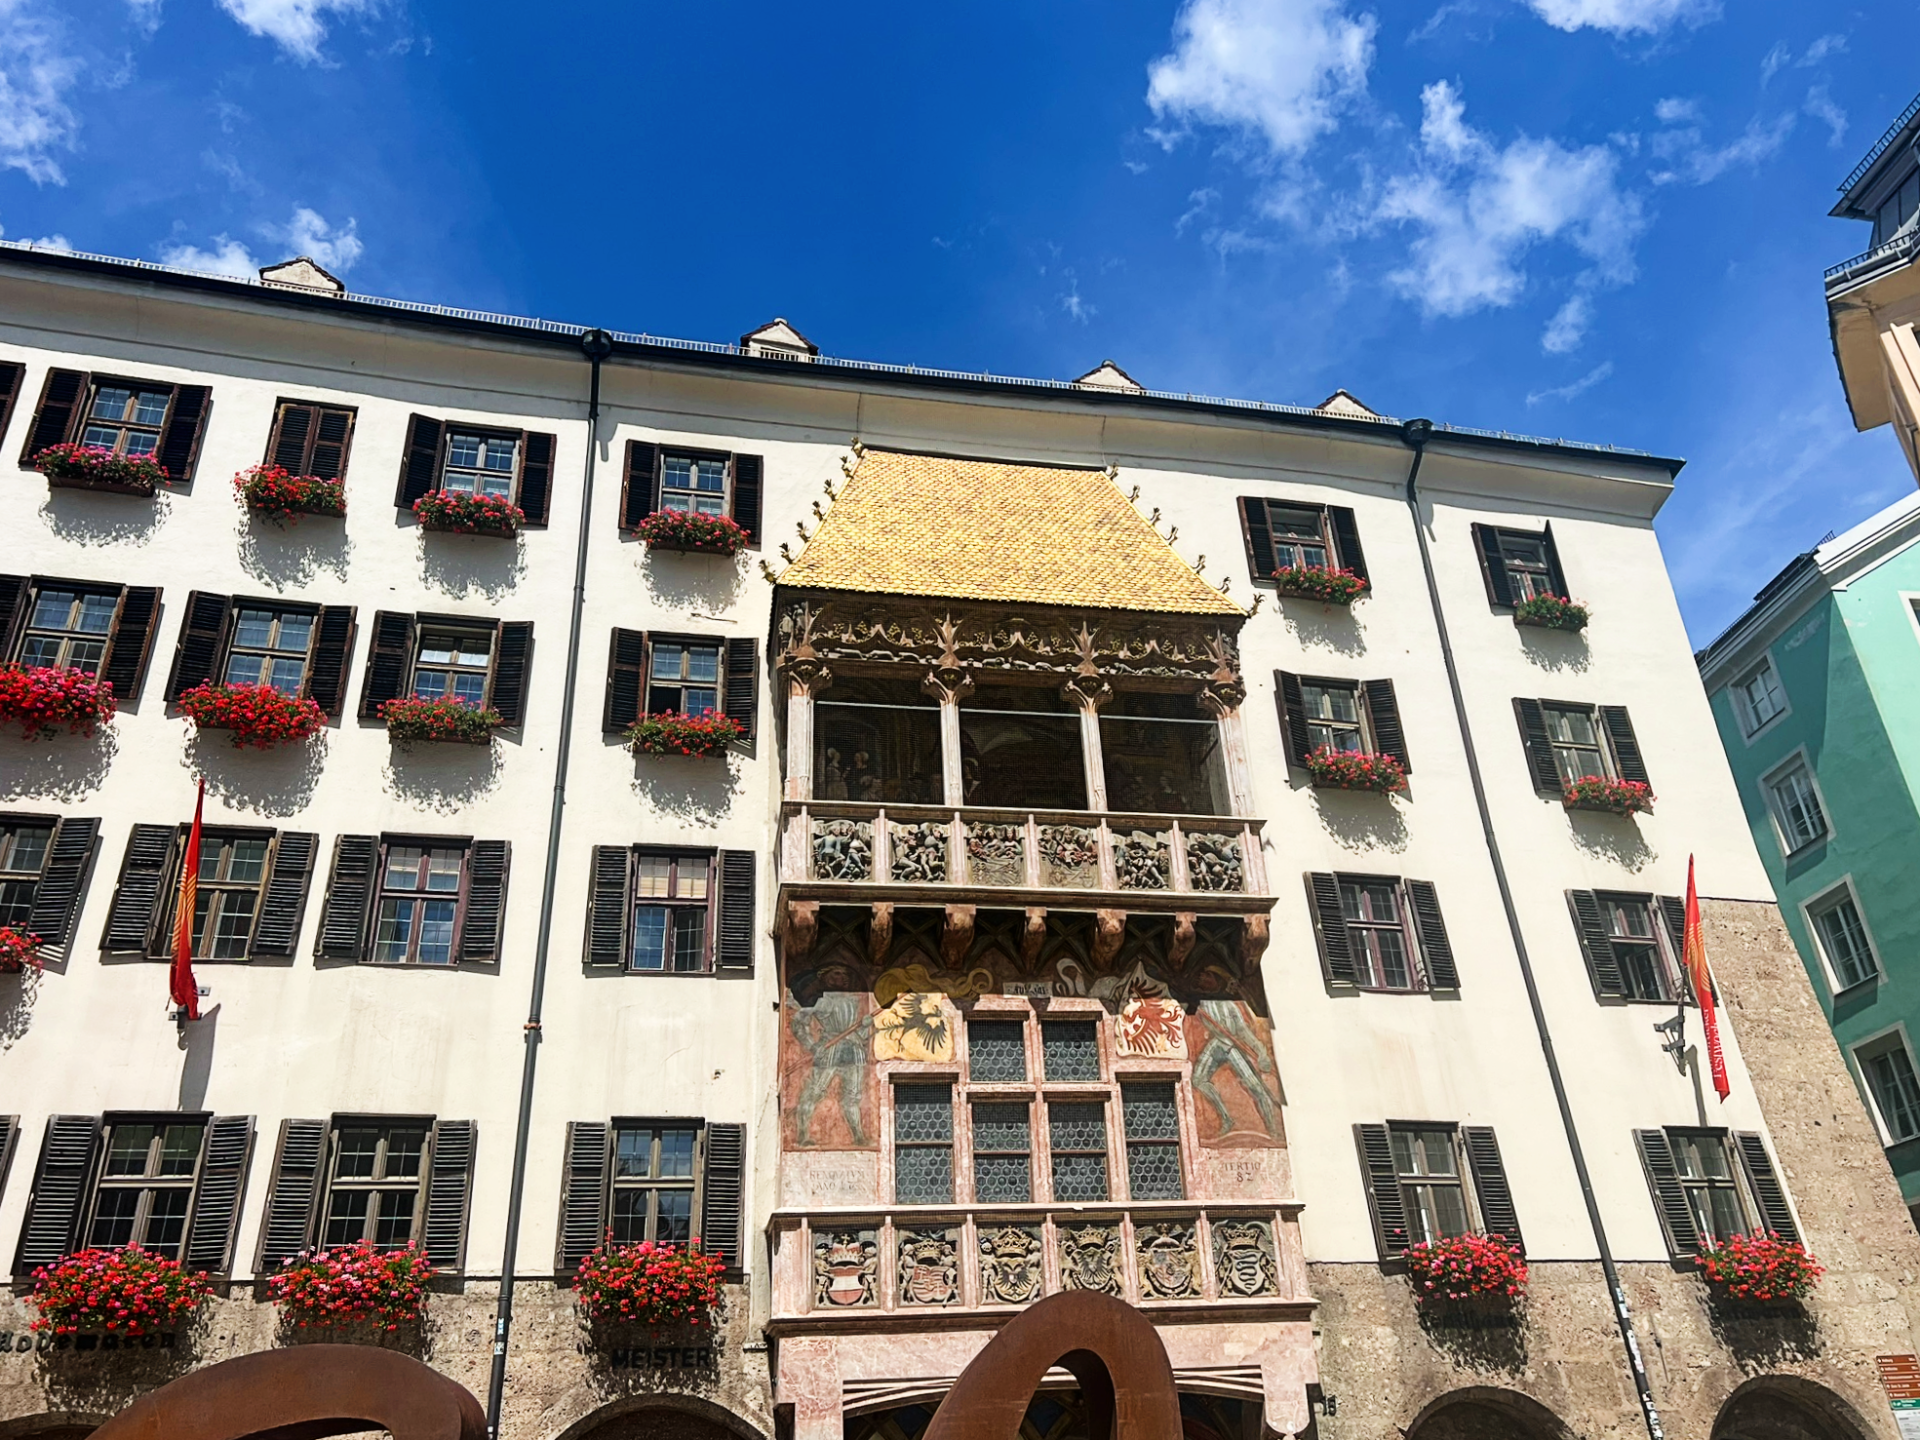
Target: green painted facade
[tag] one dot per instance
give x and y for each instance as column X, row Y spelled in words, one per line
column 1843, row 641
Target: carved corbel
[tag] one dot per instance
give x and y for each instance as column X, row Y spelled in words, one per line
column 880, row 932
column 949, row 684
column 799, row 924
column 1088, row 692
column 1183, row 938
column 1032, row 937
column 1109, row 929
column 1253, row 943
column 807, row 675
column 956, row 936
column 1225, row 691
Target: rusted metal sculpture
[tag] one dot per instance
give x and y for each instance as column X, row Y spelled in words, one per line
column 1110, row 1348
column 304, row 1393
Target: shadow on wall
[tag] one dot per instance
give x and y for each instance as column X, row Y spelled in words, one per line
column 17, row 994
column 1325, row 627
column 1764, row 1337
column 685, row 787
column 286, row 556
column 196, row 1057
column 65, row 768
column 1486, row 1341
column 1559, row 650
column 1611, row 837
column 91, row 518
column 1487, row 1412
column 1360, row 821
column 464, row 565
column 710, row 583
column 443, row 778
column 268, row 782
column 84, row 1381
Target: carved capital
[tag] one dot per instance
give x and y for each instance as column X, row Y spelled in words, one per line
column 949, row 684
column 956, row 936
column 1183, row 939
column 1109, row 929
column 1089, row 692
column 1221, row 698
column 807, row 675
column 880, row 932
column 799, row 924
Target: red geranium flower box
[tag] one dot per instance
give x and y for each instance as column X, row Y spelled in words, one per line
column 1551, row 612
column 1760, row 1267
column 42, row 698
column 19, row 949
column 90, row 467
column 353, row 1285
column 257, row 715
column 1322, row 583
column 671, row 734
column 1349, row 770
column 269, row 490
column 459, row 513
column 688, row 530
column 1616, row 797
column 1467, row 1268
column 115, row 1292
column 649, row 1284
column 411, row 718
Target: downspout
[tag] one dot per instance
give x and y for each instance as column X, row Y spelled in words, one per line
column 1416, row 433
column 597, row 344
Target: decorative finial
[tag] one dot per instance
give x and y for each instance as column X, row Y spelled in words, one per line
column 801, row 527
column 1258, row 601
column 859, row 449
column 1113, row 472
column 767, row 570
column 1226, row 584
column 1135, row 496
column 831, row 493
column 818, row 513
column 847, row 462
column 1154, row 518
column 1173, row 533
column 1201, row 567
column 785, row 553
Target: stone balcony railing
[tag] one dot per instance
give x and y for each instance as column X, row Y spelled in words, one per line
column 932, row 854
column 933, row 1265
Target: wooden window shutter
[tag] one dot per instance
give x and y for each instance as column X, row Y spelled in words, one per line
column 9, row 1142
column 10, row 377
column 202, row 631
column 276, row 930
column 1383, row 1190
column 1330, row 929
column 294, row 1196
column 1346, row 539
column 607, row 906
column 1768, row 1194
column 748, row 482
column 509, row 689
column 1257, row 531
column 1493, row 565
column 186, row 425
column 54, row 421
column 56, row 900
column 1539, row 746
column 1626, row 748
column 536, row 476
column 450, row 1193
column 626, row 681
column 389, row 657
column 1669, row 1198
column 332, row 652
column 59, row 1194
column 332, row 438
column 15, row 592
column 345, row 911
column 136, row 898
column 217, row 1194
column 487, row 862
column 419, row 462
column 640, row 485
column 583, row 1194
column 723, row 1190
column 1293, row 715
column 1673, row 910
column 1435, row 949
column 1595, row 944
column 131, row 644
column 1554, row 573
column 743, row 683
column 1383, row 717
column 1497, row 1215
column 293, row 427
column 735, row 948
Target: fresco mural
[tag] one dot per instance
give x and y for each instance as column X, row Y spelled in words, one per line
column 1236, row 1086
column 829, row 1092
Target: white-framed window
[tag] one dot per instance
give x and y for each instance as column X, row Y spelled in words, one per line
column 1798, row 816
column 481, row 464
column 1758, row 697
column 1840, row 931
column 1886, row 1065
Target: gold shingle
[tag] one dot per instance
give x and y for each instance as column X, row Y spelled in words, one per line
column 908, row 524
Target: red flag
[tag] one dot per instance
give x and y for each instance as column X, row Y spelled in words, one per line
column 1701, row 979
column 181, row 985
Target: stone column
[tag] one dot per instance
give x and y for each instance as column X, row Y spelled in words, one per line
column 949, row 684
column 1089, row 693
column 804, row 678
column 1222, row 699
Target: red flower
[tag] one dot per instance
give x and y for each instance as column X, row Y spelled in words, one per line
column 43, row 698
column 90, row 464
column 653, row 1284
column 1322, row 583
column 271, row 491
column 1551, row 612
column 258, row 715
column 354, row 1285
column 671, row 734
column 1760, row 1266
column 18, row 950
column 1347, row 770
column 119, row 1292
column 689, row 530
column 1467, row 1267
column 411, row 718
column 1619, row 797
column 463, row 514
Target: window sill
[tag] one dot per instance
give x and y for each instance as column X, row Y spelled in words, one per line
column 1857, row 988
column 108, row 487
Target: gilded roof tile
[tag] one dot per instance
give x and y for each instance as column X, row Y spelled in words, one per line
column 912, row 524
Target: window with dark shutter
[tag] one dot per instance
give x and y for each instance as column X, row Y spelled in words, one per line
column 56, row 898
column 332, row 653
column 583, row 1194
column 202, row 632
column 1626, row 748
column 1293, row 715
column 16, row 593
column 1330, row 929
column 480, row 926
column 1769, row 1196
column 748, row 472
column 293, row 426
column 11, row 374
column 449, row 1194
column 1435, row 949
column 1383, row 721
column 1493, row 565
column 186, row 425
column 721, row 1232
column 742, row 692
column 1596, row 945
column 59, row 1193
column 136, row 897
column 607, row 906
column 1258, row 537
column 536, row 477
column 1669, row 1197
column 1384, row 1200
column 131, row 645
column 310, row 438
column 294, row 1196
column 349, row 898
column 639, row 484
column 1497, row 1214
column 1539, row 747
column 58, row 414
column 508, row 692
column 217, row 1194
column 626, row 681
column 737, row 869
column 276, row 929
column 9, row 1142
column 1346, row 540
column 389, row 658
column 419, row 462
column 1555, row 575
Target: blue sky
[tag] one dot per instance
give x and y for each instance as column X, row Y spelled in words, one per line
column 1603, row 219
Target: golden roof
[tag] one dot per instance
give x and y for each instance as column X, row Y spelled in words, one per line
column 909, row 524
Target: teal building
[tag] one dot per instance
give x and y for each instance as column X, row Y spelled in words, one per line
column 1816, row 690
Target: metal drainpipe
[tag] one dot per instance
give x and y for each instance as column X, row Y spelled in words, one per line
column 1416, row 433
column 597, row 344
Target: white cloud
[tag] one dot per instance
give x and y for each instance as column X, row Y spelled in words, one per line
column 1826, row 45
column 1481, row 208
column 145, row 14
column 1198, row 203
column 36, row 71
column 1282, row 69
column 1821, row 107
column 1692, row 160
column 228, row 257
column 57, row 243
column 1569, row 325
column 308, row 233
column 294, row 25
column 1774, row 61
column 1579, row 387
column 1676, row 111
column 1625, row 17
column 1074, row 305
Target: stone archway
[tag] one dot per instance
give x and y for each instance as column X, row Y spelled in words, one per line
column 1487, row 1413
column 662, row 1417
column 1785, row 1407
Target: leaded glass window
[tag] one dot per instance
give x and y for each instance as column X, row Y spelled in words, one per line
column 923, row 1144
column 1070, row 1049
column 1077, row 1136
column 1152, row 1122
column 1002, row 1152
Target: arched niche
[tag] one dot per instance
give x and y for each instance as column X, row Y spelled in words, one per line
column 1487, row 1412
column 662, row 1417
column 1786, row 1407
